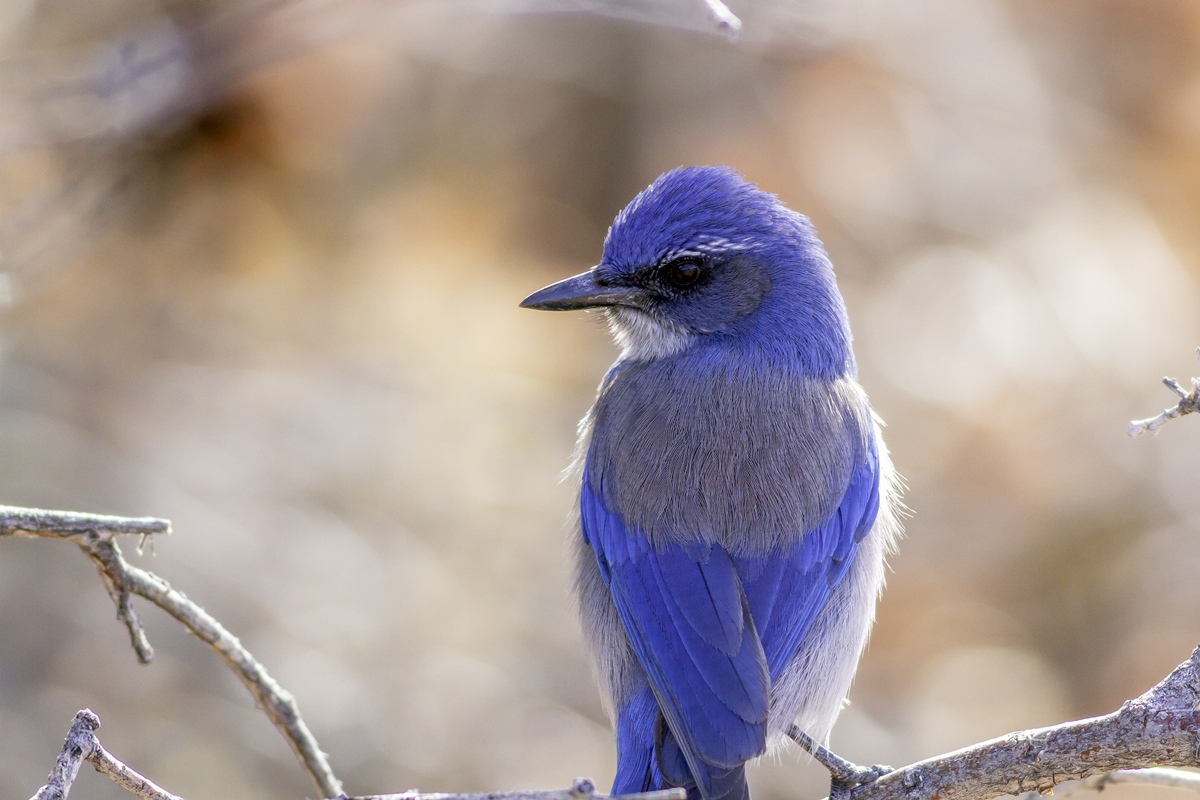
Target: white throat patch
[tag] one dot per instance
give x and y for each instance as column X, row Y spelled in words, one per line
column 641, row 337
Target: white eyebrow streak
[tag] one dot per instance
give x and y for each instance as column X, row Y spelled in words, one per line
column 706, row 245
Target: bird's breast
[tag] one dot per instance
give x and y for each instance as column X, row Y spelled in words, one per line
column 746, row 457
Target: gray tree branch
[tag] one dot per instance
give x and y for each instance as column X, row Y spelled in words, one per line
column 94, row 534
column 1189, row 403
column 725, row 19
column 81, row 740
column 1159, row 729
column 83, row 745
column 583, row 789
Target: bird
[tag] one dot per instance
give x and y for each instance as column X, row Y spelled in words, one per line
column 736, row 500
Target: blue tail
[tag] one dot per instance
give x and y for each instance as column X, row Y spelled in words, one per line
column 649, row 758
column 637, row 769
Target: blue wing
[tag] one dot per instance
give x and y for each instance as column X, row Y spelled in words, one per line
column 690, row 627
column 713, row 631
column 786, row 590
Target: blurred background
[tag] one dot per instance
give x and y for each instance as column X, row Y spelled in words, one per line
column 260, row 263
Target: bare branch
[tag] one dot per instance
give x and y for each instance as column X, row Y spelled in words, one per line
column 89, row 531
column 36, row 522
column 1160, row 728
column 276, row 702
column 81, row 740
column 94, row 535
column 726, row 20
column 126, row 778
column 1156, row 776
column 583, row 789
column 82, row 744
column 1189, row 403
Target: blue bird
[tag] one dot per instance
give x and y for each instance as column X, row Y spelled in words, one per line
column 737, row 500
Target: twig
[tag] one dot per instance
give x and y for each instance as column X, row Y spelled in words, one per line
column 106, row 764
column 81, row 740
column 82, row 745
column 583, row 789
column 1156, row 776
column 1160, row 728
column 16, row 521
column 89, row 531
column 726, row 20
column 94, row 535
column 1189, row 403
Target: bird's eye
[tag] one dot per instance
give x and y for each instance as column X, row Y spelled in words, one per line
column 682, row 273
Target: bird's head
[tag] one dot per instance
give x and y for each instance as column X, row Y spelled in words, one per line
column 702, row 257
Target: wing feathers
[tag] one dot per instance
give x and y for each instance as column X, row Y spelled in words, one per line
column 712, row 631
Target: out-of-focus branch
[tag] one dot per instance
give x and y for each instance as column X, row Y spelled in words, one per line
column 1154, row 776
column 15, row 521
column 94, row 535
column 1189, row 403
column 726, row 20
column 83, row 745
column 92, row 532
column 1159, row 729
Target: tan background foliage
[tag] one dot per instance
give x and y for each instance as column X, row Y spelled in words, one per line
column 261, row 266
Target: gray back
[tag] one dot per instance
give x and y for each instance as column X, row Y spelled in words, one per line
column 708, row 447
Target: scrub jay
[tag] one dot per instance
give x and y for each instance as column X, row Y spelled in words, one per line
column 737, row 500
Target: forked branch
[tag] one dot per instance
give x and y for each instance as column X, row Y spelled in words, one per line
column 82, row 744
column 95, row 536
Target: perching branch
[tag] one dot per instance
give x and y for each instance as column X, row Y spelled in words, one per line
column 94, row 534
column 1189, row 403
column 1159, row 729
column 844, row 775
column 1136, row 743
column 82, row 744
column 583, row 789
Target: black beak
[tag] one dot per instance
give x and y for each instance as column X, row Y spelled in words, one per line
column 579, row 291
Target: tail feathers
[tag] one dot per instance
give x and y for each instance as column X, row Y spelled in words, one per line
column 649, row 758
column 637, row 769
column 712, row 783
column 672, row 763
column 642, row 775
column 727, row 784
